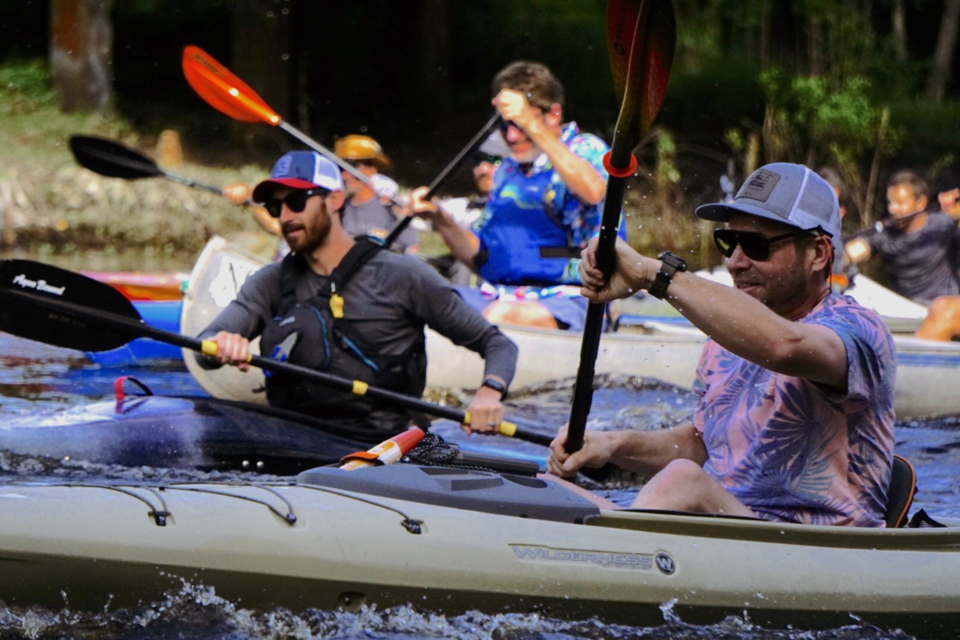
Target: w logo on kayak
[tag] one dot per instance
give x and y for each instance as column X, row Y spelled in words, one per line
column 665, row 563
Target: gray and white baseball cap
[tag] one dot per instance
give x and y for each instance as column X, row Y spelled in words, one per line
column 783, row 192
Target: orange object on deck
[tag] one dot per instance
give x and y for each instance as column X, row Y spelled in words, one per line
column 387, row 452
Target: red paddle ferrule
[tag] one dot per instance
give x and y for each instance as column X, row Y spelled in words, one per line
column 118, row 388
column 620, row 173
column 121, row 395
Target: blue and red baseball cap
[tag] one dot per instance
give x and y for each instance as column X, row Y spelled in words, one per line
column 300, row 170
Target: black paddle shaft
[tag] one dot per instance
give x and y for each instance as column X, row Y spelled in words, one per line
column 445, row 175
column 590, row 346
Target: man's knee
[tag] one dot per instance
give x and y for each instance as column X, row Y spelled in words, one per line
column 678, row 478
column 524, row 314
column 683, row 472
column 943, row 319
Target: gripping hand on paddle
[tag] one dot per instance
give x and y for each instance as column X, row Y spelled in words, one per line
column 426, row 209
column 232, row 348
column 515, row 109
column 486, row 412
column 598, row 447
column 631, row 273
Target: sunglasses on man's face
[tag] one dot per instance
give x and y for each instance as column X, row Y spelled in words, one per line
column 486, row 157
column 754, row 245
column 296, row 201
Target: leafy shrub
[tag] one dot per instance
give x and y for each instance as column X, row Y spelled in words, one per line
column 24, row 87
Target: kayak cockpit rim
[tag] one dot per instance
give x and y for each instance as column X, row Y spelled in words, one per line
column 758, row 530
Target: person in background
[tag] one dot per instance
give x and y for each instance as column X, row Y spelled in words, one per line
column 467, row 210
column 844, row 270
column 943, row 318
column 348, row 307
column 920, row 250
column 545, row 204
column 794, row 414
column 368, row 210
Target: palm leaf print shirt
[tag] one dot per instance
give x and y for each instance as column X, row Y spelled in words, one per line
column 794, row 450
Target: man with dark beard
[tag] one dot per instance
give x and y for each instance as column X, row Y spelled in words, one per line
column 794, row 415
column 347, row 307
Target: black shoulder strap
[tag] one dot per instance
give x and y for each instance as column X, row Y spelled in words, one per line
column 360, row 254
column 290, row 268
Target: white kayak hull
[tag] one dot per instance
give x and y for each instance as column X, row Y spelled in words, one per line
column 97, row 546
column 928, row 373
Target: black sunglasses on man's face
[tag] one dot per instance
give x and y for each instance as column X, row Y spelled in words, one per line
column 296, row 201
column 480, row 158
column 754, row 245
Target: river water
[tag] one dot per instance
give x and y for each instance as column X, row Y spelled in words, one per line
column 35, row 378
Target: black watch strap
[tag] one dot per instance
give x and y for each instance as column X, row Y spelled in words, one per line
column 496, row 385
column 670, row 265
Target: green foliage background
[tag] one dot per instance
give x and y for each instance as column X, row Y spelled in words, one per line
column 814, row 81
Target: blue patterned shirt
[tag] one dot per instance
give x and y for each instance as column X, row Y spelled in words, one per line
column 580, row 220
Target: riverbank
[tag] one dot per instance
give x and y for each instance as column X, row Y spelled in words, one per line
column 53, row 209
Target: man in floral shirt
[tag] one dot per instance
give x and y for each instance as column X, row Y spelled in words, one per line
column 546, row 203
column 794, row 419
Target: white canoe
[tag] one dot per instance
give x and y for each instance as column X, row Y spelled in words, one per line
column 928, row 373
column 452, row 541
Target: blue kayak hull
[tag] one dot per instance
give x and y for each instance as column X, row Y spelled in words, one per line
column 144, row 352
column 205, row 434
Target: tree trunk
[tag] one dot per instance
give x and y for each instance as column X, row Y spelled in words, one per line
column 899, row 31
column 943, row 57
column 81, row 54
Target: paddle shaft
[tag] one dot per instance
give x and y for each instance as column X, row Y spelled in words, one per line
column 205, row 187
column 593, row 325
column 646, row 45
column 445, row 175
column 883, row 225
column 137, row 328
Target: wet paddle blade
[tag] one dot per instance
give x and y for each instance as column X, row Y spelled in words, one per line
column 112, row 159
column 25, row 285
column 641, row 38
column 224, row 91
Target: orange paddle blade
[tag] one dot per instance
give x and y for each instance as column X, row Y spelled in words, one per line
column 641, row 38
column 224, row 91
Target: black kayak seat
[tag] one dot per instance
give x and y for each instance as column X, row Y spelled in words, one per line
column 903, row 486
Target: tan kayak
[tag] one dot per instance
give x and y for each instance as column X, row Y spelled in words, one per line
column 451, row 540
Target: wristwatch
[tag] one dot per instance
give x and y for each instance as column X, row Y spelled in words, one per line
column 496, row 385
column 671, row 264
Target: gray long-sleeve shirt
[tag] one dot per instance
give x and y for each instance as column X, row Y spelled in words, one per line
column 389, row 300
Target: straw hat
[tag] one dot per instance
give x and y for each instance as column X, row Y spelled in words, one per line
column 365, row 148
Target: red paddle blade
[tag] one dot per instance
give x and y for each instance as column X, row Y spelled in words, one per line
column 641, row 38
column 224, row 91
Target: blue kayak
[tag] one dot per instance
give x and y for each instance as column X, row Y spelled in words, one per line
column 144, row 352
column 206, row 434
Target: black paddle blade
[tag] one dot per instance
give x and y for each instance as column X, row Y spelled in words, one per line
column 112, row 159
column 51, row 305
